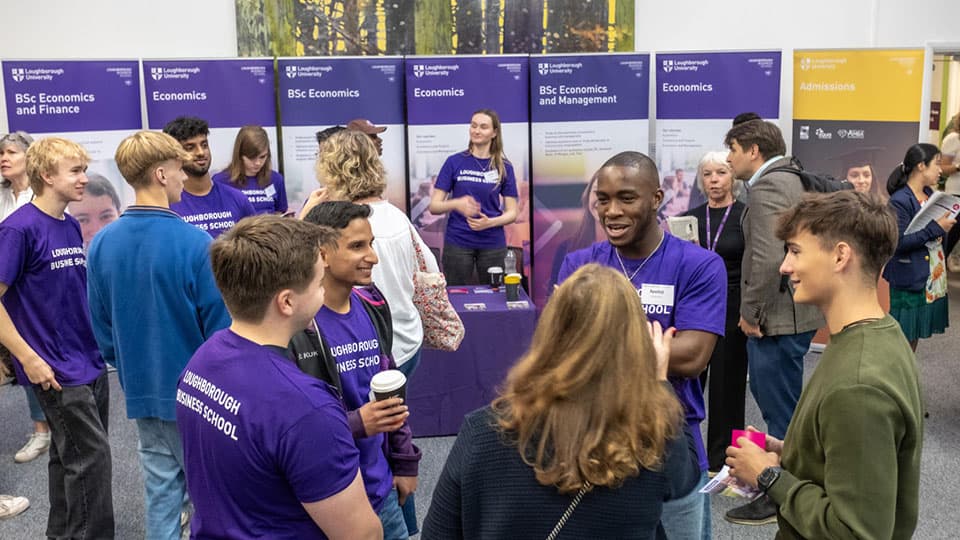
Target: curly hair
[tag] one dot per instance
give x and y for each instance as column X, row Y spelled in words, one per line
column 350, row 167
column 584, row 403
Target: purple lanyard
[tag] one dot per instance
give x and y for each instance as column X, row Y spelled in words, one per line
column 712, row 246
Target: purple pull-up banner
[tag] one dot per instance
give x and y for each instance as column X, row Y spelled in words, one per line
column 442, row 95
column 584, row 109
column 227, row 93
column 95, row 103
column 698, row 95
column 318, row 93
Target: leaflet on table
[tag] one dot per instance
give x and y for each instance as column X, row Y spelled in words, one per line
column 940, row 203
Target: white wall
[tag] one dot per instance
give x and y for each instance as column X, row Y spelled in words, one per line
column 207, row 28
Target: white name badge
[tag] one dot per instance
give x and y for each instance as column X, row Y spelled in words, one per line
column 491, row 176
column 652, row 294
column 270, row 191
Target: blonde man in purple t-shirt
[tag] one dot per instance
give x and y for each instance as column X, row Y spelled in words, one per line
column 45, row 323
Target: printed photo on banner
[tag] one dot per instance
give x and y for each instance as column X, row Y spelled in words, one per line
column 93, row 103
column 848, row 126
column 698, row 96
column 319, row 96
column 584, row 110
column 376, row 27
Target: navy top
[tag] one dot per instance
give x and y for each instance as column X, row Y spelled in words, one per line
column 487, row 491
column 910, row 267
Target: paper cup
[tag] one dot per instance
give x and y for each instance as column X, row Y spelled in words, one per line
column 496, row 277
column 388, row 384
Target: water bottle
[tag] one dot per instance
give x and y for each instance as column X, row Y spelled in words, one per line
column 510, row 262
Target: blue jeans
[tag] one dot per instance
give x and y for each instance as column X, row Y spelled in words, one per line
column 688, row 518
column 36, row 413
column 79, row 472
column 391, row 517
column 408, row 367
column 776, row 376
column 410, row 506
column 161, row 458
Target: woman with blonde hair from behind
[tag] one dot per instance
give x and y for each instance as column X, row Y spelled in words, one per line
column 586, row 436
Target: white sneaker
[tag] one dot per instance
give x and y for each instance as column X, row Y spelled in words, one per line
column 11, row 506
column 37, row 444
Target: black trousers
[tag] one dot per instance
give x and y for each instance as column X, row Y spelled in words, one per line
column 725, row 381
column 80, row 492
column 459, row 264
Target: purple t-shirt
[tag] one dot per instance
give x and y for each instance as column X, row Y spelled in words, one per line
column 353, row 341
column 45, row 270
column 260, row 437
column 216, row 212
column 463, row 174
column 681, row 285
column 265, row 200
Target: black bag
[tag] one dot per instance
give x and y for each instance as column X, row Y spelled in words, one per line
column 813, row 182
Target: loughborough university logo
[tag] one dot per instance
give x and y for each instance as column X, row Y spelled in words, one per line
column 418, row 70
column 291, row 72
column 18, row 74
column 543, row 68
column 156, row 73
column 667, row 66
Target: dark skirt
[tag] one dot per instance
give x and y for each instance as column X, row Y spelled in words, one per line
column 917, row 318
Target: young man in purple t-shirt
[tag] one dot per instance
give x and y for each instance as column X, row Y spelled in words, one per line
column 267, row 448
column 45, row 323
column 357, row 346
column 680, row 284
column 205, row 204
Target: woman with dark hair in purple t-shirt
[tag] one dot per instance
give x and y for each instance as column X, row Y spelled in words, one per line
column 478, row 189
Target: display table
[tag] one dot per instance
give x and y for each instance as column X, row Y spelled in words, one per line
column 448, row 385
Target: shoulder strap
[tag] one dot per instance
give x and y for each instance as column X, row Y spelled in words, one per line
column 379, row 312
column 311, row 353
column 566, row 515
column 421, row 262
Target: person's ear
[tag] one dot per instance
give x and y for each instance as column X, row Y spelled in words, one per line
column 285, row 302
column 842, row 255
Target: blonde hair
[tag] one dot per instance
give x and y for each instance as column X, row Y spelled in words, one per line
column 139, row 154
column 251, row 141
column 44, row 157
column 584, row 403
column 350, row 166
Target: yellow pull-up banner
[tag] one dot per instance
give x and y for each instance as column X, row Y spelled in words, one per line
column 879, row 85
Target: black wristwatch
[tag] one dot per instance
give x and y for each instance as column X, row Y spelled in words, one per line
column 768, row 477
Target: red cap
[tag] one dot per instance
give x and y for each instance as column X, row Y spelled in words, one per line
column 365, row 126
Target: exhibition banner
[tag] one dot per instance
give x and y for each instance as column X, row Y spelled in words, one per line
column 227, row 93
column 95, row 103
column 855, row 112
column 698, row 95
column 318, row 93
column 584, row 109
column 442, row 94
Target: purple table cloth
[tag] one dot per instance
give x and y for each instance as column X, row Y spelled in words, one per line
column 448, row 385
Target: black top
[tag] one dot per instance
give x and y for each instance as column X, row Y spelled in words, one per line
column 730, row 244
column 487, row 491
